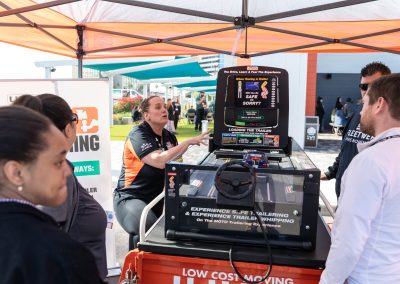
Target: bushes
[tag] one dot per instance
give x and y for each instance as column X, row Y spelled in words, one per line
column 126, row 104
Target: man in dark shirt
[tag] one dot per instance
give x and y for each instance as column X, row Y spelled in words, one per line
column 177, row 111
column 199, row 110
column 352, row 134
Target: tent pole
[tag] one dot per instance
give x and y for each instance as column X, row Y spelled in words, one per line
column 79, row 51
column 245, row 17
column 110, row 91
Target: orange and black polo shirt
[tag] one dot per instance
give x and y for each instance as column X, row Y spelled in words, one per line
column 138, row 179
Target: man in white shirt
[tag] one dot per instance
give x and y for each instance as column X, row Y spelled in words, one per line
column 366, row 232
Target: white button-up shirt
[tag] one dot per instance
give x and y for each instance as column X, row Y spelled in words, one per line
column 366, row 231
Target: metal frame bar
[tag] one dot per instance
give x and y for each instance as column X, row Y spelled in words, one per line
column 177, row 10
column 35, row 7
column 79, row 51
column 310, row 10
column 16, row 25
column 119, row 47
column 145, row 213
column 200, row 34
column 202, row 48
column 370, row 47
column 289, row 49
column 292, row 33
column 121, row 34
column 371, row 34
column 328, row 206
column 245, row 16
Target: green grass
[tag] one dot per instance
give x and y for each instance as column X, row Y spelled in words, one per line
column 185, row 131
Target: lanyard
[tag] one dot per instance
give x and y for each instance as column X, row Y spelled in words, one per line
column 384, row 139
column 160, row 143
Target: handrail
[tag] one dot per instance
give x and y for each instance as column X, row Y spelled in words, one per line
column 145, row 213
column 330, row 209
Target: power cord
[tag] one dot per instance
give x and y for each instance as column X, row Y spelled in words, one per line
column 231, row 261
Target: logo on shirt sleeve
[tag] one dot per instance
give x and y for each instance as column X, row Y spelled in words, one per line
column 145, row 146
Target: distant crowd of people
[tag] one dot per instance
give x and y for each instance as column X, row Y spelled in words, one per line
column 340, row 113
column 174, row 109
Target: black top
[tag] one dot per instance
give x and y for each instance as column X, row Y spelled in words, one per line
column 170, row 112
column 319, row 109
column 177, row 108
column 352, row 135
column 137, row 179
column 200, row 114
column 34, row 250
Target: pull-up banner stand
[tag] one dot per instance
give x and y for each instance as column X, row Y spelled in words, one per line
column 90, row 154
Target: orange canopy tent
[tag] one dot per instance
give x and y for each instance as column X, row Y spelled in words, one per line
column 124, row 28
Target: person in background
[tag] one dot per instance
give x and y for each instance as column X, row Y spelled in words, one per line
column 191, row 110
column 352, row 135
column 177, row 112
column 199, row 110
column 135, row 114
column 348, row 108
column 338, row 103
column 206, row 110
column 81, row 216
column 211, row 107
column 148, row 147
column 34, row 171
column 339, row 117
column 320, row 111
column 338, row 106
column 171, row 113
column 366, row 230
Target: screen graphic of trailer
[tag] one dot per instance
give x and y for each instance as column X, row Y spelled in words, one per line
column 255, row 101
column 255, row 92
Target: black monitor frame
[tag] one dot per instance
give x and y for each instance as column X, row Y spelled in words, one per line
column 239, row 123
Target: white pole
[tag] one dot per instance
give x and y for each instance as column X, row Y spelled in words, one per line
column 111, row 87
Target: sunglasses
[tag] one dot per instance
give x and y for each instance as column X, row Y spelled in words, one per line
column 74, row 118
column 363, row 87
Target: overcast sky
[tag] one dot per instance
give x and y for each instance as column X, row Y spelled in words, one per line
column 19, row 63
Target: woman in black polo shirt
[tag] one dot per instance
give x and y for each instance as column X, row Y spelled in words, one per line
column 148, row 147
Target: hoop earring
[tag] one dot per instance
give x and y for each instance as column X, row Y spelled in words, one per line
column 20, row 188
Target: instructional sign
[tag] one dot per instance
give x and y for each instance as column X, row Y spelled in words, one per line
column 251, row 100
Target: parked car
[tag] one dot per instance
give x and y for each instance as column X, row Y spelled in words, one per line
column 122, row 93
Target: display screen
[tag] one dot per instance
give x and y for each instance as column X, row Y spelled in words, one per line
column 253, row 101
column 255, row 92
column 252, row 86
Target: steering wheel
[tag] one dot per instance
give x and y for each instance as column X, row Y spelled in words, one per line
column 235, row 188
